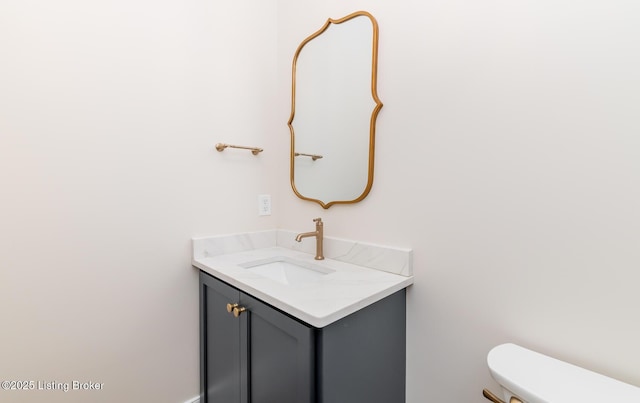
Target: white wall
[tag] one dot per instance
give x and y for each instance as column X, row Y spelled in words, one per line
column 508, row 158
column 109, row 112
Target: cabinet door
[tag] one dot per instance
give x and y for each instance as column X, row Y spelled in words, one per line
column 219, row 342
column 280, row 355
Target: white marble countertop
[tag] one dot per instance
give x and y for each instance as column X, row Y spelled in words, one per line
column 323, row 301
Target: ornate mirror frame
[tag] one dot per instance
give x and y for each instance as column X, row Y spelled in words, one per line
column 372, row 121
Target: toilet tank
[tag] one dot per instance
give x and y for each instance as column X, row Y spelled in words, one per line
column 535, row 378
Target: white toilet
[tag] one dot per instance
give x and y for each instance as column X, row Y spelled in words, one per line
column 530, row 377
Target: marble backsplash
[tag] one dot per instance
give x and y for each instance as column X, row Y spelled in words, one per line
column 390, row 259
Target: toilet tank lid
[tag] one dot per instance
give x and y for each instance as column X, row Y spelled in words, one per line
column 537, row 378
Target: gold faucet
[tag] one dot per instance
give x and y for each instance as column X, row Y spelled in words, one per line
column 318, row 233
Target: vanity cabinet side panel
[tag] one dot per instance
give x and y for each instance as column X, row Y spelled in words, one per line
column 219, row 343
column 362, row 357
column 281, row 355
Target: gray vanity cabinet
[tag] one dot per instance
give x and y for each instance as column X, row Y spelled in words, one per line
column 267, row 356
column 260, row 356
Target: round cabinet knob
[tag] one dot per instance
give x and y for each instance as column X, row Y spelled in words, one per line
column 237, row 311
column 230, row 307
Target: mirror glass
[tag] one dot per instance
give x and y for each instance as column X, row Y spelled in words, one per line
column 333, row 111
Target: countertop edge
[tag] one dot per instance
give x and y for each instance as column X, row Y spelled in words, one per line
column 318, row 322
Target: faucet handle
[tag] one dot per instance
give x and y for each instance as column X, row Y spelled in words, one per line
column 318, row 220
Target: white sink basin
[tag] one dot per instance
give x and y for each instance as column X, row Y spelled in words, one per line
column 286, row 270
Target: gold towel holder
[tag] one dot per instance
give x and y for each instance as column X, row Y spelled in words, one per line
column 254, row 150
column 313, row 156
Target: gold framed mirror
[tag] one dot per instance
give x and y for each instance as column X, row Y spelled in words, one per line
column 334, row 107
